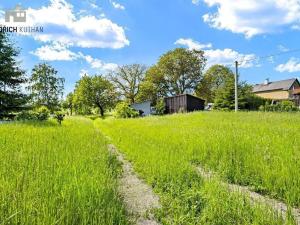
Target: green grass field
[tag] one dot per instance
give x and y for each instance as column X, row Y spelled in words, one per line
column 57, row 175
column 260, row 150
column 53, row 174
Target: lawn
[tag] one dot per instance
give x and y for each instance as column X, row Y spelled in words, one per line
column 259, row 150
column 53, row 174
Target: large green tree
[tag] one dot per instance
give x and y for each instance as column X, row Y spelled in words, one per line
column 94, row 91
column 46, row 88
column 153, row 87
column 177, row 72
column 127, row 80
column 213, row 79
column 11, row 77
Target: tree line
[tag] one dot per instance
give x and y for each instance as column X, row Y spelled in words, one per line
column 177, row 72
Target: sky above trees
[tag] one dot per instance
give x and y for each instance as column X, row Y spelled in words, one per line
column 95, row 36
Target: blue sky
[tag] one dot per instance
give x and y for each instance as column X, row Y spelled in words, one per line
column 94, row 36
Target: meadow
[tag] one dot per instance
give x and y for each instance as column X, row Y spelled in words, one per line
column 53, row 174
column 258, row 150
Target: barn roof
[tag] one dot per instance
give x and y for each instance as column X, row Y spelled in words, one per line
column 277, row 85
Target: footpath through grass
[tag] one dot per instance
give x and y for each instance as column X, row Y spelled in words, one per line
column 52, row 174
column 260, row 150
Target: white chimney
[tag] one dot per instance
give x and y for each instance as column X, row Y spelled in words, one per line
column 267, row 81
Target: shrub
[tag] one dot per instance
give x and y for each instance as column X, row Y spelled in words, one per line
column 59, row 116
column 123, row 110
column 284, row 106
column 42, row 113
column 160, row 107
column 26, row 116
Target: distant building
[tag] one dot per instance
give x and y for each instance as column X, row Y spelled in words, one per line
column 144, row 108
column 279, row 90
column 183, row 103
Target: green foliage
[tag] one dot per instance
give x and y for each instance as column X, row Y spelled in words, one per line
column 94, row 91
column 123, row 110
column 247, row 148
column 127, row 80
column 59, row 116
column 283, row 106
column 42, row 113
column 160, row 107
column 54, row 174
column 26, row 116
column 11, row 77
column 46, row 87
column 178, row 71
column 68, row 104
column 39, row 114
column 225, row 96
column 213, row 79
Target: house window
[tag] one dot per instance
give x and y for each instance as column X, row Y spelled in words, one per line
column 22, row 14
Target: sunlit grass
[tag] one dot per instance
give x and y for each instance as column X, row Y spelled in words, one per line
column 260, row 150
column 52, row 174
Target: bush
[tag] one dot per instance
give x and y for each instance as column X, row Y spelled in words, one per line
column 123, row 110
column 42, row 113
column 284, row 106
column 26, row 116
column 160, row 107
column 59, row 116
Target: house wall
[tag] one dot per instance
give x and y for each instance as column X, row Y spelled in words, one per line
column 276, row 95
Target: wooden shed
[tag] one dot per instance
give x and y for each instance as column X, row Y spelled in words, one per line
column 184, row 102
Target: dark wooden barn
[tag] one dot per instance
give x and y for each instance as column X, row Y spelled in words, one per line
column 183, row 103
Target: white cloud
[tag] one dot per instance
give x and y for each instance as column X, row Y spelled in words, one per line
column 227, row 57
column 55, row 52
column 58, row 52
column 99, row 64
column 117, row 5
column 253, row 17
column 291, row 66
column 191, row 44
column 62, row 25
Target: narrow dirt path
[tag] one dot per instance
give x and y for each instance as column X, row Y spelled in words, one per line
column 278, row 206
column 138, row 196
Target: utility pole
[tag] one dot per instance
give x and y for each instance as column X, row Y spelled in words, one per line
column 236, row 85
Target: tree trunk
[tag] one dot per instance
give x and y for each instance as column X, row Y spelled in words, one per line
column 101, row 110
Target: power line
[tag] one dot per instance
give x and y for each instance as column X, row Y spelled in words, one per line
column 268, row 56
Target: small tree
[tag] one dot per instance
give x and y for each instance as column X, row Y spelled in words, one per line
column 160, row 107
column 95, row 91
column 46, row 87
column 59, row 116
column 68, row 104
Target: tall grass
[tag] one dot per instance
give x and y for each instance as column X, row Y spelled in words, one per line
column 52, row 174
column 260, row 150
